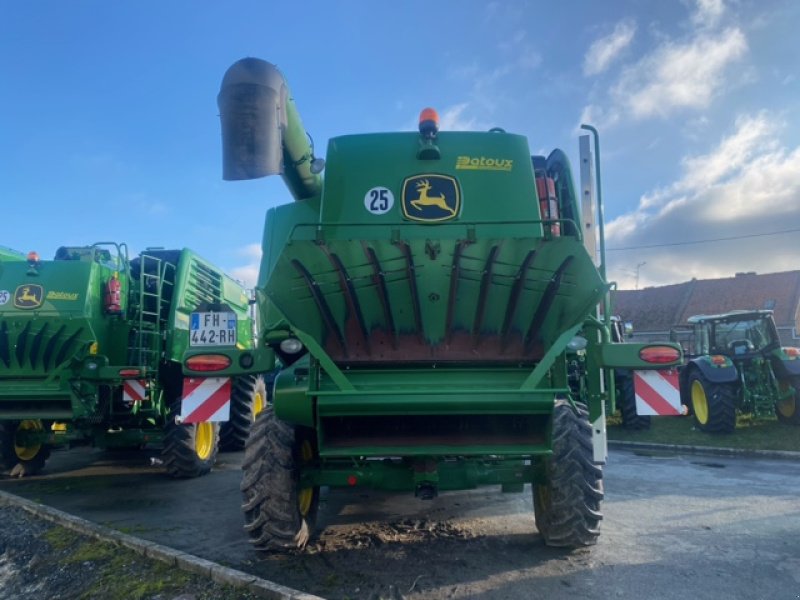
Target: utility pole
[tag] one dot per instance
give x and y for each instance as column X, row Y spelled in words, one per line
column 639, row 266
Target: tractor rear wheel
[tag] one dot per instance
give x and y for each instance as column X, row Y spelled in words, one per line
column 189, row 450
column 567, row 505
column 627, row 406
column 788, row 409
column 248, row 399
column 278, row 514
column 30, row 458
column 713, row 404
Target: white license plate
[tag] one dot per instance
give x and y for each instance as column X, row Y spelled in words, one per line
column 213, row 329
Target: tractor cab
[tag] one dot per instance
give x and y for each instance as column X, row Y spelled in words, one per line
column 735, row 334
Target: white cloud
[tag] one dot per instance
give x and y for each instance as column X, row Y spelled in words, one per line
column 748, row 184
column 707, row 13
column 593, row 114
column 248, row 272
column 676, row 76
column 252, row 251
column 481, row 83
column 605, row 50
column 454, row 118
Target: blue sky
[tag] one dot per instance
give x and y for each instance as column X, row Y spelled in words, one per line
column 110, row 130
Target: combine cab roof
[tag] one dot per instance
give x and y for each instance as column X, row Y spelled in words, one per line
column 734, row 315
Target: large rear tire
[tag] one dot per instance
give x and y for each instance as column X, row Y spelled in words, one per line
column 31, row 459
column 627, row 405
column 567, row 504
column 189, row 450
column 278, row 515
column 788, row 409
column 248, row 399
column 713, row 404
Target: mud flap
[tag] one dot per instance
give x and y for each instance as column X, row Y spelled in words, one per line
column 206, row 399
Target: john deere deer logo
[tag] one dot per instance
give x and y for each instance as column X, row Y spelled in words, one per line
column 28, row 296
column 431, row 198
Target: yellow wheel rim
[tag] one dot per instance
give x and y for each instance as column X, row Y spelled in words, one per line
column 699, row 402
column 28, row 452
column 305, row 496
column 204, row 440
column 787, row 406
column 258, row 404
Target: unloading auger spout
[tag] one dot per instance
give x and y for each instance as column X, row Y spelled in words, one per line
column 262, row 133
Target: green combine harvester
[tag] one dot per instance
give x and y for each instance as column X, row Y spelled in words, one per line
column 422, row 301
column 91, row 345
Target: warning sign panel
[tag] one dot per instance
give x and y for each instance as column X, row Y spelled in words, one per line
column 657, row 392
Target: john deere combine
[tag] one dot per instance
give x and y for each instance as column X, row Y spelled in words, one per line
column 91, row 345
column 422, row 300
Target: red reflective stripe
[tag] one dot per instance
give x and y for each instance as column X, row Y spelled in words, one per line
column 211, row 405
column 131, row 393
column 190, row 384
column 652, row 398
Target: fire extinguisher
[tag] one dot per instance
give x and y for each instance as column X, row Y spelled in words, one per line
column 548, row 202
column 113, row 296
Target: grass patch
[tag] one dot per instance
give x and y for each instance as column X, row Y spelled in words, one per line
column 92, row 551
column 750, row 434
column 60, row 538
column 110, row 572
column 116, row 583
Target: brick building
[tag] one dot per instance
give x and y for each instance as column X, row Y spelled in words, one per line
column 654, row 311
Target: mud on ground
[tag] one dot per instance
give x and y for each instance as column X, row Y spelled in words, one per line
column 443, row 554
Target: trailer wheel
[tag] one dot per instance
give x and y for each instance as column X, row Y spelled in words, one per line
column 189, row 450
column 31, row 458
column 248, row 399
column 627, row 406
column 788, row 409
column 567, row 505
column 278, row 514
column 713, row 404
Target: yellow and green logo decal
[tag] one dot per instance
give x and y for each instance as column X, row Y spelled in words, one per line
column 431, row 198
column 482, row 163
column 29, row 295
column 70, row 296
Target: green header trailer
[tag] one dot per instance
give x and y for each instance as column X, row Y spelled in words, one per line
column 91, row 345
column 422, row 301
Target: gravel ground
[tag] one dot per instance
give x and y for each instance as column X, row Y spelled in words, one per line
column 41, row 560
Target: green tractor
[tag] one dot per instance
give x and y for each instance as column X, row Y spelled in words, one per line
column 423, row 301
column 737, row 365
column 91, row 345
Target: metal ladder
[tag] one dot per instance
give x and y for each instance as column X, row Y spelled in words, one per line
column 156, row 284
